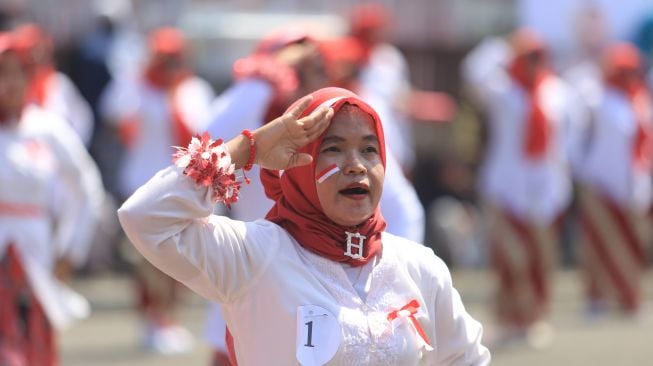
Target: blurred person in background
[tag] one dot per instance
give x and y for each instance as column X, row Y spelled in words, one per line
column 49, row 88
column 616, row 187
column 383, row 78
column 160, row 108
column 524, row 179
column 584, row 76
column 50, row 195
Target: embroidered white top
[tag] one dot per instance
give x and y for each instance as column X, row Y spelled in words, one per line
column 284, row 303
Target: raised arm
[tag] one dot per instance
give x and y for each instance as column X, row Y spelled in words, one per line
column 483, row 69
column 169, row 218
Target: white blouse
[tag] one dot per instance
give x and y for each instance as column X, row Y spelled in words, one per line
column 285, row 305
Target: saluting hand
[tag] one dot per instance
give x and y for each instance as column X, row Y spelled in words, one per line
column 278, row 142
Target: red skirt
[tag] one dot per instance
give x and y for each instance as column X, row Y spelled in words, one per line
column 26, row 336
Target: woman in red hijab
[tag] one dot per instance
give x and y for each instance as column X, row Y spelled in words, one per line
column 319, row 280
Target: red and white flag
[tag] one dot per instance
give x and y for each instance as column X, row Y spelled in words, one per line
column 326, row 173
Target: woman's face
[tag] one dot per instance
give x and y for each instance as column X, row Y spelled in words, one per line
column 350, row 196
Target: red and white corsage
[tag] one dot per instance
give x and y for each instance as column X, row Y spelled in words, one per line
column 208, row 163
column 407, row 314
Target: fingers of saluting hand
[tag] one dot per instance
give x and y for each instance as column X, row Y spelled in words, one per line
column 317, row 122
column 300, row 107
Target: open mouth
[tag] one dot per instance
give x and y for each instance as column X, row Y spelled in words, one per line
column 354, row 191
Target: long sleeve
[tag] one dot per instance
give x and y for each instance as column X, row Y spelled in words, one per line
column 194, row 101
column 483, row 69
column 458, row 336
column 169, row 221
column 242, row 106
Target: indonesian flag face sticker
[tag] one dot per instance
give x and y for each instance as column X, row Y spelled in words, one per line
column 326, row 173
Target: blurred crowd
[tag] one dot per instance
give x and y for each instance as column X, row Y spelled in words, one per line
column 539, row 157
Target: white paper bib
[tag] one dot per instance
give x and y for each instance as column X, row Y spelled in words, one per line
column 318, row 335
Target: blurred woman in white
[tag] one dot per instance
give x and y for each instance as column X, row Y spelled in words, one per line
column 615, row 178
column 162, row 107
column 524, row 178
column 50, row 198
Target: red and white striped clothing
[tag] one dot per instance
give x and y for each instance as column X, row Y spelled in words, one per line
column 523, row 257
column 614, row 243
column 525, row 180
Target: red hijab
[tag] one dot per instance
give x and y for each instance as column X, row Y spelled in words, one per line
column 297, row 207
column 529, row 69
column 366, row 22
column 622, row 71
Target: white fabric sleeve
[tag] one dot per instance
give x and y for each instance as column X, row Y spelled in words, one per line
column 194, row 99
column 400, row 205
column 82, row 192
column 457, row 338
column 169, row 221
column 68, row 103
column 483, row 69
column 240, row 107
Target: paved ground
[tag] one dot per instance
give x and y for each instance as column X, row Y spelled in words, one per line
column 110, row 336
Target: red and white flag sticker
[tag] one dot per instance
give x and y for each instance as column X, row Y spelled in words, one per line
column 326, row 173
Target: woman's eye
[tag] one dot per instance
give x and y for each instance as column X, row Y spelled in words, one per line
column 331, row 149
column 370, row 149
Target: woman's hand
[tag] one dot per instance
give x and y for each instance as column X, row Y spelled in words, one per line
column 278, row 142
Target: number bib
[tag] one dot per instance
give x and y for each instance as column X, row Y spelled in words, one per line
column 318, row 335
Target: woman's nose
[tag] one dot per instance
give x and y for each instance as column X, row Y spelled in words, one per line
column 354, row 165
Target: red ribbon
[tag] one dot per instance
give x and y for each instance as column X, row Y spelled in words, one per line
column 411, row 307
